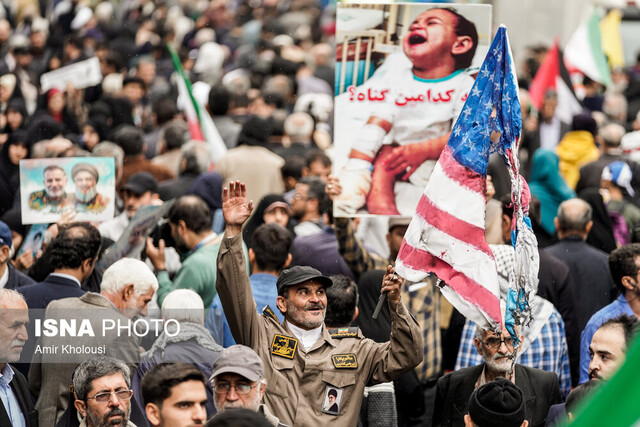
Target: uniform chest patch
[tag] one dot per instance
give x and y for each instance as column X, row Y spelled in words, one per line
column 284, row 346
column 351, row 332
column 344, row 361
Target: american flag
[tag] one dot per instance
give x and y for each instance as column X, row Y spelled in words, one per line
column 446, row 234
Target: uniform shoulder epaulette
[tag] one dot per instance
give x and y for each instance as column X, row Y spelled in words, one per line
column 267, row 311
column 350, row 332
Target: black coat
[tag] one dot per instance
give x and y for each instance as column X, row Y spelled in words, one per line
column 21, row 389
column 17, row 279
column 593, row 287
column 52, row 288
column 556, row 286
column 540, row 390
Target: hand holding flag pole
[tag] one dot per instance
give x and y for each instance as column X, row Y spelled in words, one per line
column 391, row 283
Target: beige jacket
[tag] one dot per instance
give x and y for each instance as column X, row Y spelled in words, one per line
column 298, row 380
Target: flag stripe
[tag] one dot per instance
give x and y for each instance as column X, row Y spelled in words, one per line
column 545, row 77
column 453, row 226
column 441, row 191
column 463, row 175
column 470, row 290
column 595, row 42
column 464, row 257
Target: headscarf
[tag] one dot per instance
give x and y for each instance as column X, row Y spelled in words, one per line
column 257, row 219
column 601, row 234
column 208, row 187
column 548, row 186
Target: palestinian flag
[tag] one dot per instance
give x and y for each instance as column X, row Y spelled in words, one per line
column 553, row 74
column 584, row 51
column 201, row 126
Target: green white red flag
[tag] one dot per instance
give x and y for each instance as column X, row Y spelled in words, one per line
column 201, row 126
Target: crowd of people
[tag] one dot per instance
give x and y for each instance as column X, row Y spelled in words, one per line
column 264, row 301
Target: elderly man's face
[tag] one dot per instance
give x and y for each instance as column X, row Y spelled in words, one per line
column 55, row 180
column 137, row 305
column 85, row 182
column 114, row 412
column 496, row 350
column 305, row 306
column 607, row 352
column 14, row 316
column 232, row 399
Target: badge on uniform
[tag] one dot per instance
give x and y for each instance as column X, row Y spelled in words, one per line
column 284, row 346
column 269, row 312
column 332, row 400
column 345, row 361
column 350, row 332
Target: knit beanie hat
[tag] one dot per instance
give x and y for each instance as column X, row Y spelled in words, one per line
column 497, row 404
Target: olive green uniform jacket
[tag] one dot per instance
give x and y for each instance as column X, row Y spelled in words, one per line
column 342, row 359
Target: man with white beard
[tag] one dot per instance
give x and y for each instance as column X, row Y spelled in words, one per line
column 540, row 389
column 87, row 199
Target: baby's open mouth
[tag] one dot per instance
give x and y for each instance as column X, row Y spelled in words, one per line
column 416, row 39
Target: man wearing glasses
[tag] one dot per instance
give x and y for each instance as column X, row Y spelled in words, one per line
column 103, row 393
column 238, row 382
column 540, row 389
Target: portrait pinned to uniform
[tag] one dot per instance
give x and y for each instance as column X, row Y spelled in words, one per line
column 50, row 187
column 332, row 400
column 403, row 74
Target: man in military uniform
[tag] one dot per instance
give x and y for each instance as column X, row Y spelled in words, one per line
column 54, row 197
column 303, row 359
column 87, row 199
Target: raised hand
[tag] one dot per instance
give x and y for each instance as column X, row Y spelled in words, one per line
column 391, row 283
column 235, row 209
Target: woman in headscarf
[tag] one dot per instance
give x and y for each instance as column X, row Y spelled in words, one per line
column 272, row 208
column 548, row 186
column 16, row 115
column 54, row 104
column 601, row 234
column 14, row 150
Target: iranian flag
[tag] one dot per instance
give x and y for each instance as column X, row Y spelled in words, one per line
column 201, row 126
column 584, row 51
column 553, row 74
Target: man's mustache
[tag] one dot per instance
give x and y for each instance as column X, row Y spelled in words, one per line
column 594, row 374
column 18, row 343
column 115, row 411
column 315, row 305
